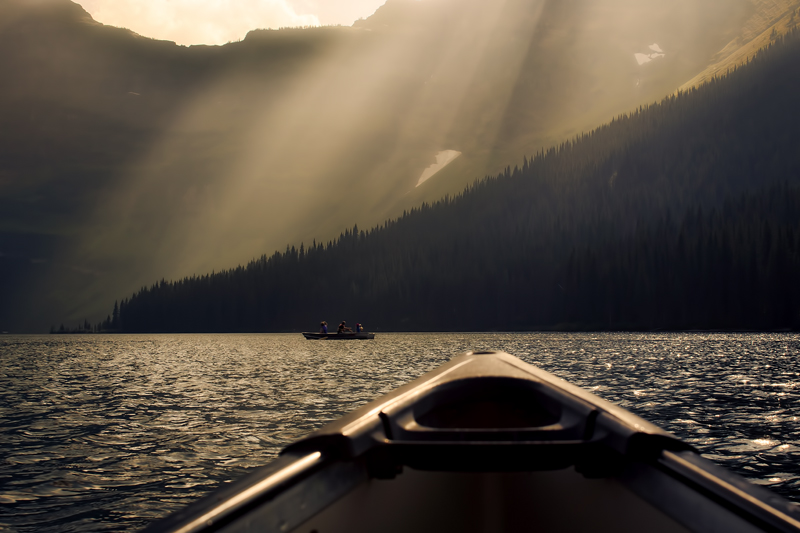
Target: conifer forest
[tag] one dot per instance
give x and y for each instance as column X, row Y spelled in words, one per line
column 681, row 215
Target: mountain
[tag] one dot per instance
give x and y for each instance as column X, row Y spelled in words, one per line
column 124, row 159
column 680, row 215
column 767, row 19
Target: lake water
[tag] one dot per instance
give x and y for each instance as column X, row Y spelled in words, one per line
column 110, row 432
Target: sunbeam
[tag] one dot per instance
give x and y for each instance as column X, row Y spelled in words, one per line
column 292, row 135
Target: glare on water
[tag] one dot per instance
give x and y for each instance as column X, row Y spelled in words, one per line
column 110, row 432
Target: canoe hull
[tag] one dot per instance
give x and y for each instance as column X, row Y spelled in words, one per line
column 488, row 443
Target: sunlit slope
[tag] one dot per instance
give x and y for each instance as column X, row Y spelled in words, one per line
column 576, row 69
column 682, row 215
column 768, row 19
column 99, row 157
column 123, row 159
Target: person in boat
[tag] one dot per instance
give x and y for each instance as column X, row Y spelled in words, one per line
column 343, row 328
column 359, row 327
column 323, row 327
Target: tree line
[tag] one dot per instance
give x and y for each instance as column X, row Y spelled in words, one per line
column 680, row 215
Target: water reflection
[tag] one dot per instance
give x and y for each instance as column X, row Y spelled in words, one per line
column 109, row 432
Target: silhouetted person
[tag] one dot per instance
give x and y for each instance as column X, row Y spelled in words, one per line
column 343, row 328
column 323, row 327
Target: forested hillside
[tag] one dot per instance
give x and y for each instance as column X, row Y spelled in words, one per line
column 124, row 159
column 684, row 214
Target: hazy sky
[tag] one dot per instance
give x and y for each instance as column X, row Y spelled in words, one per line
column 220, row 21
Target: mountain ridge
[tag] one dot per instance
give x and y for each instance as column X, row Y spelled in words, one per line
column 126, row 159
column 783, row 17
column 681, row 215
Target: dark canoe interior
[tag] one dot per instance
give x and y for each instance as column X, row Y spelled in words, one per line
column 487, row 443
column 560, row 500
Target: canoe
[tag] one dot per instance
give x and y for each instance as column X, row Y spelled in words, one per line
column 488, row 443
column 339, row 336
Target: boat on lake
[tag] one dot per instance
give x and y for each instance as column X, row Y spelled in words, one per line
column 361, row 335
column 488, row 443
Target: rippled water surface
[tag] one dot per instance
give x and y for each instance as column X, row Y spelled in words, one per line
column 110, row 432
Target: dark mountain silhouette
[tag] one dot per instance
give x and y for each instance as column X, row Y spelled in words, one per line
column 123, row 158
column 680, row 215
